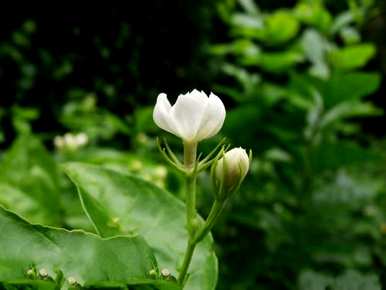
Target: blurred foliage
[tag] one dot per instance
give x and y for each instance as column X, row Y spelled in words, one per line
column 296, row 78
column 316, row 196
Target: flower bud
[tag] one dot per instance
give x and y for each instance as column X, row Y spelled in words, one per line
column 81, row 139
column 230, row 171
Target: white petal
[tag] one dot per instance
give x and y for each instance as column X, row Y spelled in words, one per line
column 213, row 118
column 188, row 112
column 162, row 116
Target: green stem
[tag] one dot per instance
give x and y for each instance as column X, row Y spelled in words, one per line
column 191, row 213
column 195, row 235
column 214, row 213
column 185, row 265
column 190, row 154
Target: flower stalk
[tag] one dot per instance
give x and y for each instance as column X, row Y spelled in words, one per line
column 190, row 155
column 195, row 117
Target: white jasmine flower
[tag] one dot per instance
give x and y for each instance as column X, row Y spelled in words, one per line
column 193, row 117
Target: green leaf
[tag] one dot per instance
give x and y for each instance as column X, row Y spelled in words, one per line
column 15, row 198
column 245, row 49
column 87, row 258
column 280, row 61
column 352, row 57
column 313, row 13
column 348, row 110
column 275, row 29
column 331, row 156
column 347, row 87
column 119, row 203
column 350, row 35
column 281, row 27
column 246, row 25
column 250, row 7
column 341, row 21
column 28, row 169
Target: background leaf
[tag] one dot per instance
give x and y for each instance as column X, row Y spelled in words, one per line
column 351, row 57
column 28, row 169
column 351, row 280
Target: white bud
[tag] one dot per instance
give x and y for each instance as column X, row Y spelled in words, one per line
column 165, row 272
column 72, row 281
column 43, row 273
column 231, row 169
column 81, row 139
column 193, row 117
column 58, row 142
column 160, row 172
column 70, row 141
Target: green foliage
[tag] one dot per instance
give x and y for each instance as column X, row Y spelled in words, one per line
column 350, row 280
column 298, row 84
column 121, row 204
column 298, row 79
column 84, row 116
column 32, row 252
column 30, row 181
column 352, row 57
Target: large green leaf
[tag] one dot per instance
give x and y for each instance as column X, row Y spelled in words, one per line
column 119, row 203
column 29, row 169
column 85, row 257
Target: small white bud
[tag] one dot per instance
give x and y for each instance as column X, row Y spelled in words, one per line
column 43, row 273
column 70, row 141
column 231, row 169
column 160, row 172
column 72, row 281
column 81, row 139
column 58, row 142
column 165, row 272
